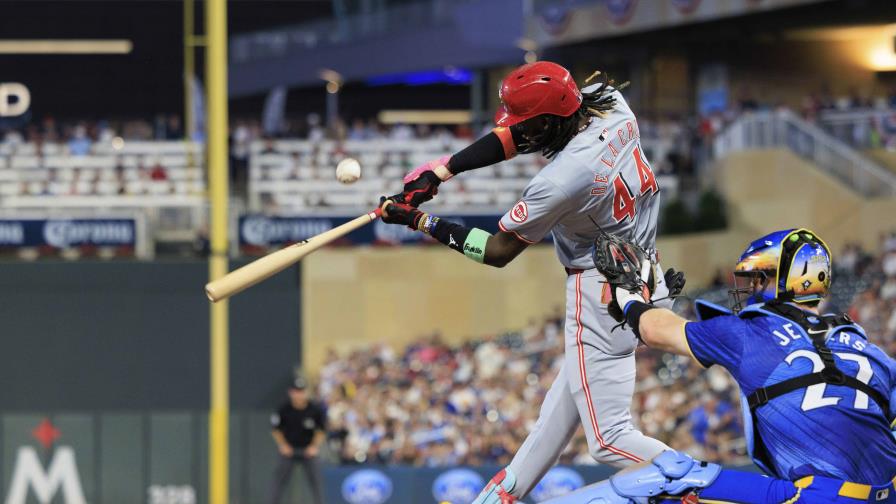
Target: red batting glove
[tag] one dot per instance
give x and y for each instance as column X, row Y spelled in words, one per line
column 400, row 213
column 422, row 183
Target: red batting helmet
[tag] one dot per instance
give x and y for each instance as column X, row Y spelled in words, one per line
column 534, row 89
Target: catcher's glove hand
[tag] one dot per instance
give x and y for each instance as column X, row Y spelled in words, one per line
column 627, row 269
column 674, row 281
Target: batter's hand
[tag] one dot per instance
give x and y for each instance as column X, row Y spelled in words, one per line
column 422, row 183
column 400, row 213
column 674, row 281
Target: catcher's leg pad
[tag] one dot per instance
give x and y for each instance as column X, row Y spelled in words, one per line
column 670, row 472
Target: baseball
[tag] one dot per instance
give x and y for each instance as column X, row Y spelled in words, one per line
column 348, row 170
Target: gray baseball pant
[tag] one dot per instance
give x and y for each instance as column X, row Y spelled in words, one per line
column 284, row 470
column 594, row 387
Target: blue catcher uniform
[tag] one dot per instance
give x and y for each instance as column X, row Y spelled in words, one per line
column 821, row 443
column 824, row 429
column 816, row 395
column 833, row 439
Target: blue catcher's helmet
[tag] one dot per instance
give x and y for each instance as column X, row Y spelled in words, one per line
column 790, row 265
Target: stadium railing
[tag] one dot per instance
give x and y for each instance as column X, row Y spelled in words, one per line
column 863, row 128
column 783, row 128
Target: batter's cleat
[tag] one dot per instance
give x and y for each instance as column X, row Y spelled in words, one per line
column 498, row 489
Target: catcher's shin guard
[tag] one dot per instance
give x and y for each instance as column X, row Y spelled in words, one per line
column 497, row 491
column 669, row 473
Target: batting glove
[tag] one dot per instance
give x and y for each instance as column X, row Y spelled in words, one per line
column 422, row 183
column 400, row 213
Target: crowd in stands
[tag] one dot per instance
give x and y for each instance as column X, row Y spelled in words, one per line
column 434, row 404
column 874, row 306
column 861, row 120
column 79, row 137
column 686, row 133
column 676, row 146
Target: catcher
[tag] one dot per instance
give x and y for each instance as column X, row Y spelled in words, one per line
column 816, row 395
column 597, row 176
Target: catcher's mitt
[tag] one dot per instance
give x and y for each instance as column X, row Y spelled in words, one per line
column 626, row 266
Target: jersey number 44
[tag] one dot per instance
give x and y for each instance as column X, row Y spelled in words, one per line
column 623, row 198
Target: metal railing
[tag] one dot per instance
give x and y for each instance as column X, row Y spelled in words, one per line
column 862, row 128
column 782, row 128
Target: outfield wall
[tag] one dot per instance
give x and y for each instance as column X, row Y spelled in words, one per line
column 134, row 335
column 156, row 457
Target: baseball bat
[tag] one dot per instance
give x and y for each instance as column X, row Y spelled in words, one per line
column 260, row 269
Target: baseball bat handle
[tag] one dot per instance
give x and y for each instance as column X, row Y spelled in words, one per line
column 256, row 271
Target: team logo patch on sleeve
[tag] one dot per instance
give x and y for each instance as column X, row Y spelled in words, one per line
column 520, row 212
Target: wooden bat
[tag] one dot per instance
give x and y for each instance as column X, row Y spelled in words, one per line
column 275, row 262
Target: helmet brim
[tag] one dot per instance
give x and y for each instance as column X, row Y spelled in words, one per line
column 504, row 118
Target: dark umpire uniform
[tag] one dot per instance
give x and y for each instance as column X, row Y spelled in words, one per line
column 298, row 429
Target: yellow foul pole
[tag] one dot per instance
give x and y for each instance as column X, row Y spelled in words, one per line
column 216, row 90
column 189, row 68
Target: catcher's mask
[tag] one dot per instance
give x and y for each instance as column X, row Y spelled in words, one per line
column 789, row 265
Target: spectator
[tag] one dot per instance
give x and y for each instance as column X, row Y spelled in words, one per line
column 173, row 128
column 358, row 131
column 316, row 133
column 158, row 172
column 79, row 144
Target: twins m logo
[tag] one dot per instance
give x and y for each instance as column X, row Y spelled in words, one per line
column 60, row 475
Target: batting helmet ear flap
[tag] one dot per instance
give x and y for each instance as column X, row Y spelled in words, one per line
column 535, row 132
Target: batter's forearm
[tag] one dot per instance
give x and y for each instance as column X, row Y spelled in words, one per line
column 499, row 145
column 474, row 243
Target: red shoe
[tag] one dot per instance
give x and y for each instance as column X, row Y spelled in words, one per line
column 497, row 491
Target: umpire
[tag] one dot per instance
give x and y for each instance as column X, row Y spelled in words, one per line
column 298, row 429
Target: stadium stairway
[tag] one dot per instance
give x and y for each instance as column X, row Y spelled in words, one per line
column 883, row 157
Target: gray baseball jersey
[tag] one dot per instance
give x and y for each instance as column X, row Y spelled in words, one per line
column 602, row 174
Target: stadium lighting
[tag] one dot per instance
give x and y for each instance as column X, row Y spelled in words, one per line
column 883, row 60
column 869, row 46
column 64, row 46
column 531, row 48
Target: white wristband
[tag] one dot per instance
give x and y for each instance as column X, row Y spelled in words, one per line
column 442, row 172
column 624, row 297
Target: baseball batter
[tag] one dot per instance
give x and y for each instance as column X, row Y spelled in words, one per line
column 598, row 176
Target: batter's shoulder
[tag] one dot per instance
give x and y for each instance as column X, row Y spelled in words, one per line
column 572, row 171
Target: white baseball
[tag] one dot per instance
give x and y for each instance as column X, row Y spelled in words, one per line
column 348, row 170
